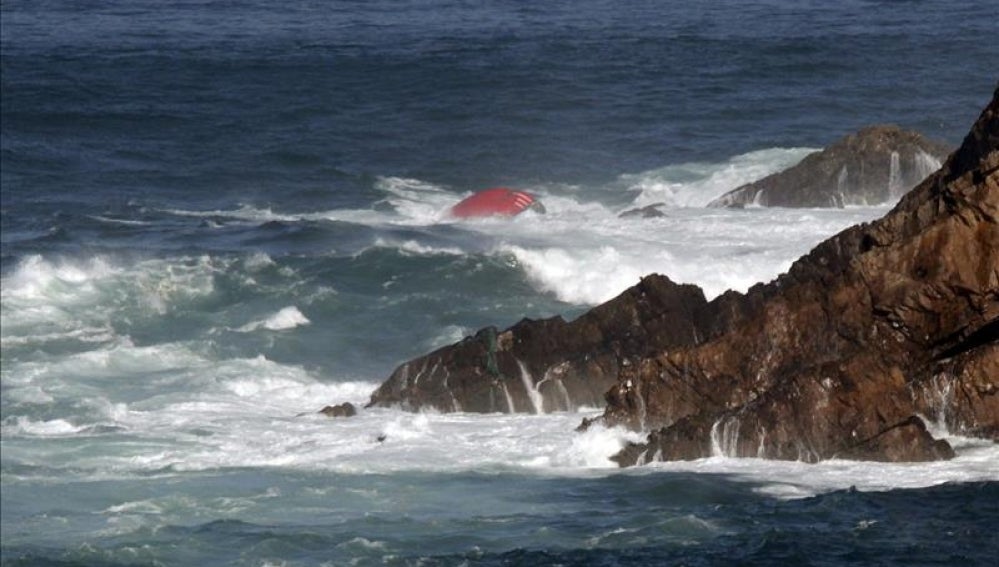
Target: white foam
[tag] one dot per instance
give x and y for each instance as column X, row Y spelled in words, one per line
column 414, row 248
column 127, row 222
column 57, row 282
column 592, row 259
column 976, row 461
column 258, row 261
column 48, row 300
column 583, row 252
column 577, row 276
column 244, row 212
column 52, row 428
column 411, row 202
column 594, row 447
column 417, row 201
column 39, row 289
column 250, row 422
column 84, row 334
column 285, row 319
column 192, row 413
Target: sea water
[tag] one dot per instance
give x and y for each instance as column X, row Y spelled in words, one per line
column 218, row 218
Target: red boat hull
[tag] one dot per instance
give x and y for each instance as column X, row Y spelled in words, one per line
column 498, row 201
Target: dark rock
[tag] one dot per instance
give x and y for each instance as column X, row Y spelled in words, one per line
column 550, row 364
column 647, row 212
column 875, row 165
column 877, row 329
column 345, row 409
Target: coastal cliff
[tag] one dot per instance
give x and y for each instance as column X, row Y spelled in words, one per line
column 878, row 331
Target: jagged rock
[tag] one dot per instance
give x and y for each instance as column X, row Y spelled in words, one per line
column 345, row 409
column 549, row 364
column 875, row 165
column 878, row 328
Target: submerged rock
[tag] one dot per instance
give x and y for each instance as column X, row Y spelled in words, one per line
column 647, row 212
column 878, row 329
column 876, row 165
column 345, row 409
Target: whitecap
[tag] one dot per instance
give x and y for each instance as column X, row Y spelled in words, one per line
column 285, row 319
column 414, row 248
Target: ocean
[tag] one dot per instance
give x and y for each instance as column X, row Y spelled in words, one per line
column 219, row 217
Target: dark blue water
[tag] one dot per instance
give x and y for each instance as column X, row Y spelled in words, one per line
column 679, row 519
column 219, row 216
column 301, row 104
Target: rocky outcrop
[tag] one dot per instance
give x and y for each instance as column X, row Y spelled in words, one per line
column 875, row 165
column 879, row 330
column 550, row 364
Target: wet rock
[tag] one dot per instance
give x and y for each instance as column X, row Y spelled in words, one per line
column 876, row 332
column 345, row 409
column 550, row 364
column 878, row 164
column 647, row 212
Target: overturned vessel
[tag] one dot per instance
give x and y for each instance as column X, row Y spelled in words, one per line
column 498, row 201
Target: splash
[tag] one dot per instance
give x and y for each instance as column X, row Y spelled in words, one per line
column 285, row 319
column 725, row 437
column 895, row 184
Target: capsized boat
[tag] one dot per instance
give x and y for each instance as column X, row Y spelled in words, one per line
column 498, row 201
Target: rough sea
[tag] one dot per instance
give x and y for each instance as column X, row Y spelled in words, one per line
column 218, row 217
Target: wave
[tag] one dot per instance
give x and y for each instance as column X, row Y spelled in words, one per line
column 580, row 252
column 287, row 318
column 27, row 427
column 975, row 462
column 248, row 421
column 36, row 277
column 126, row 222
column 51, row 299
column 416, row 248
column 416, row 202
